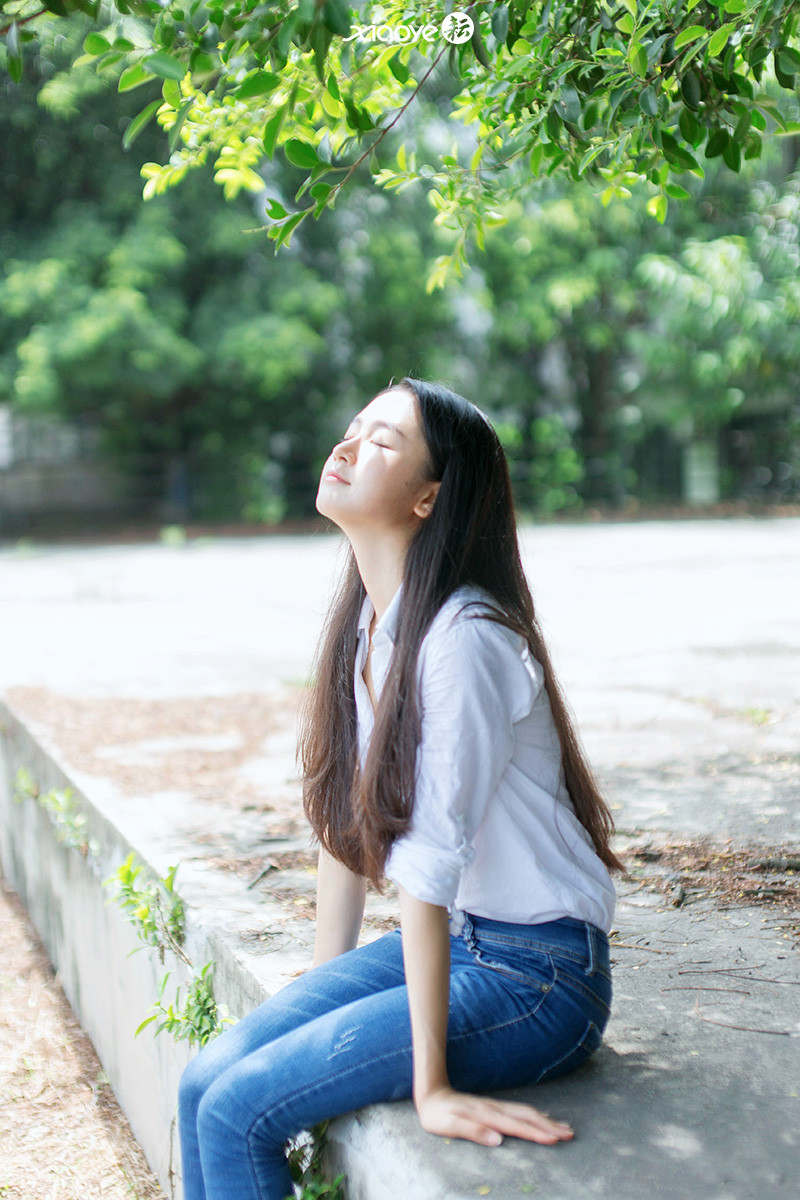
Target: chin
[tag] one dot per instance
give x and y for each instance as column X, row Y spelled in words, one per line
column 324, row 506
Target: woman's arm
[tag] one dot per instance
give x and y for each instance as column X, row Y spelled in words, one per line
column 426, row 956
column 340, row 908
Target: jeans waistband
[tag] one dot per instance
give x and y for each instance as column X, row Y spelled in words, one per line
column 567, row 937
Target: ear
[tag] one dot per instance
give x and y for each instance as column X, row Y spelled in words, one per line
column 424, row 506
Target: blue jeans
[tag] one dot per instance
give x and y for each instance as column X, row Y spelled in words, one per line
column 527, row 1003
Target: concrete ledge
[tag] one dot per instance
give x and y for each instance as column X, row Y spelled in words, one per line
column 109, row 985
column 695, row 1093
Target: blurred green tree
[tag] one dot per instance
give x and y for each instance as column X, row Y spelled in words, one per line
column 218, row 371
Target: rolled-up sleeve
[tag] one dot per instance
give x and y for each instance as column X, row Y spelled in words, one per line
column 475, row 681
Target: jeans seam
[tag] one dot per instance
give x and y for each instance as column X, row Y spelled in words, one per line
column 516, row 1020
column 586, row 993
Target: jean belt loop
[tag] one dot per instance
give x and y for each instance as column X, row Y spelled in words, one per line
column 468, row 931
column 591, row 939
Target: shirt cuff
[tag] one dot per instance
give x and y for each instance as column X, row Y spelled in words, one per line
column 427, row 872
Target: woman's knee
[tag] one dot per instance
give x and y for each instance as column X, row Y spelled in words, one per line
column 195, row 1081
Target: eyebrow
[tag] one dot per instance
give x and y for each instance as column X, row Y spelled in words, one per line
column 379, row 424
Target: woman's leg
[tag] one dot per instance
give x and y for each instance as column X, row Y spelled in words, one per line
column 515, row 1017
column 371, row 968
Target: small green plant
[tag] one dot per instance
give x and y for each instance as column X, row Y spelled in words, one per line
column 156, row 912
column 70, row 823
column 154, row 908
column 198, row 1020
column 305, row 1166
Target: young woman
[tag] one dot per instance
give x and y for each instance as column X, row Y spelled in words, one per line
column 437, row 752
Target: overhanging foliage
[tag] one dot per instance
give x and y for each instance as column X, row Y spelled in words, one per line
column 614, row 93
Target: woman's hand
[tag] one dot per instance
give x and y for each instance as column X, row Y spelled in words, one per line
column 484, row 1120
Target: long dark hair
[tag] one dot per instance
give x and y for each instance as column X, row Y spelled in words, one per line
column 470, row 537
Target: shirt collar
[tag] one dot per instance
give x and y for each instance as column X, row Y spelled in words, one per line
column 389, row 621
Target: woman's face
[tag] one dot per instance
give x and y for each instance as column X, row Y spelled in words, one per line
column 378, row 476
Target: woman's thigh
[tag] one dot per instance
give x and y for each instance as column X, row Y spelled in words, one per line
column 377, row 967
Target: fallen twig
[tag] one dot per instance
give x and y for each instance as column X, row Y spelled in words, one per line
column 694, row 988
column 741, row 1028
column 628, row 946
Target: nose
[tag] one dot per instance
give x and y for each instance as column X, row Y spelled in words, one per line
column 344, row 449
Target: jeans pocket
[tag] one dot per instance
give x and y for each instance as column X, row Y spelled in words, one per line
column 535, row 971
column 588, row 1043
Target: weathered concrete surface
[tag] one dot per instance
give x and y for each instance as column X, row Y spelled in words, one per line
column 679, row 646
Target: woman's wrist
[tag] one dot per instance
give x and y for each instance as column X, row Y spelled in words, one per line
column 428, row 1084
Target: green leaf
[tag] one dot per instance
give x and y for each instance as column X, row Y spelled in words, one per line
column 139, row 122
column 147, row 1021
column 657, row 207
column 689, row 35
column 133, row 77
column 282, row 234
column 271, row 131
column 717, row 142
column 300, row 153
column 172, row 93
column 320, row 192
column 336, row 15
column 789, row 60
column 719, row 40
column 164, row 65
column 396, row 66
column 690, row 89
column 693, row 132
column 570, row 105
column 677, row 192
column 676, row 154
column 589, row 157
column 258, row 84
column 175, row 133
column 732, row 154
column 553, row 124
column 275, row 210
column 648, row 101
column 95, row 43
column 742, row 126
column 537, row 153
column 500, row 23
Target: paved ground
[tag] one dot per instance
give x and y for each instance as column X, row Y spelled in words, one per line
column 62, row 1134
column 679, row 647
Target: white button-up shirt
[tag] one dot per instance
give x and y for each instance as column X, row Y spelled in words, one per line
column 493, row 829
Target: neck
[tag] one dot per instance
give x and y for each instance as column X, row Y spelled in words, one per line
column 380, row 564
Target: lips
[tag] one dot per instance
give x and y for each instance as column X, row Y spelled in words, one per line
column 334, row 476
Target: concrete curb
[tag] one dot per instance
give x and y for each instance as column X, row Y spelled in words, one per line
column 110, row 986
column 89, row 942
